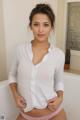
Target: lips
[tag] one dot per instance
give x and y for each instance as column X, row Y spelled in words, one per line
column 41, row 35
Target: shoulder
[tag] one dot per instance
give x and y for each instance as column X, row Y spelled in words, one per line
column 22, row 46
column 58, row 53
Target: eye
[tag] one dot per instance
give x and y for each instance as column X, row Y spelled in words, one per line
column 46, row 24
column 35, row 24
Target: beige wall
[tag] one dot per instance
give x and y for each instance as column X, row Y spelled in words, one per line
column 60, row 24
column 2, row 47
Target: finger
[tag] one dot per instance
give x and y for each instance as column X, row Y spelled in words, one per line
column 52, row 105
column 23, row 101
column 52, row 100
column 51, row 108
column 21, row 104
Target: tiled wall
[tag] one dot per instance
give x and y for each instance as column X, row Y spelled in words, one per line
column 73, row 26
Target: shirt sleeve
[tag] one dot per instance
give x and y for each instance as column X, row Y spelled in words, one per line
column 59, row 73
column 13, row 70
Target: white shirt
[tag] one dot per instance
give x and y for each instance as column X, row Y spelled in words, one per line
column 37, row 83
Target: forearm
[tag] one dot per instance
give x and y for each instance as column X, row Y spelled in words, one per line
column 14, row 90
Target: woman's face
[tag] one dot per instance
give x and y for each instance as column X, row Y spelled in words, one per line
column 41, row 27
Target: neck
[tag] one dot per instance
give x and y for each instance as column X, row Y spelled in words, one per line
column 39, row 44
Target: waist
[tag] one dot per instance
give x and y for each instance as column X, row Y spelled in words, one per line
column 39, row 112
column 43, row 112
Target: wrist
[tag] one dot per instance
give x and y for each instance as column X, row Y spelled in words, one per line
column 60, row 95
column 61, row 98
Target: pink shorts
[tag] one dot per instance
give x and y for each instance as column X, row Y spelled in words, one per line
column 46, row 117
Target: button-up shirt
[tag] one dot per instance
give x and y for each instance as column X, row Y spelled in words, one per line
column 37, row 83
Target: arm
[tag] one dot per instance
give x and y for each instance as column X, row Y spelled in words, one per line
column 58, row 84
column 13, row 87
column 20, row 102
column 13, row 75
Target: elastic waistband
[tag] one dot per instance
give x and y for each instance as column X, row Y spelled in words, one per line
column 46, row 117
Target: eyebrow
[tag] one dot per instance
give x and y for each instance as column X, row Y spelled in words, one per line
column 39, row 22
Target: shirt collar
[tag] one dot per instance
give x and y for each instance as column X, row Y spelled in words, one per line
column 49, row 50
column 29, row 49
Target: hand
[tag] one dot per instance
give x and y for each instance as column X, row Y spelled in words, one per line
column 53, row 104
column 20, row 101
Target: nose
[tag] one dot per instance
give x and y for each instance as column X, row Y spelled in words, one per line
column 40, row 28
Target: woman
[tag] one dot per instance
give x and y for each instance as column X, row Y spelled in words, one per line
column 36, row 76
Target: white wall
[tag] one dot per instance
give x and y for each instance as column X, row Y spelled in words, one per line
column 16, row 15
column 75, row 60
column 71, row 96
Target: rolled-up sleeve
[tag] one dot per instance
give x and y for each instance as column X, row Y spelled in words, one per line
column 59, row 74
column 12, row 76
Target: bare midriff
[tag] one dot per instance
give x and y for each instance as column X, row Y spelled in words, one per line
column 39, row 112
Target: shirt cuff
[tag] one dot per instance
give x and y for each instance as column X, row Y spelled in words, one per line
column 12, row 79
column 59, row 86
